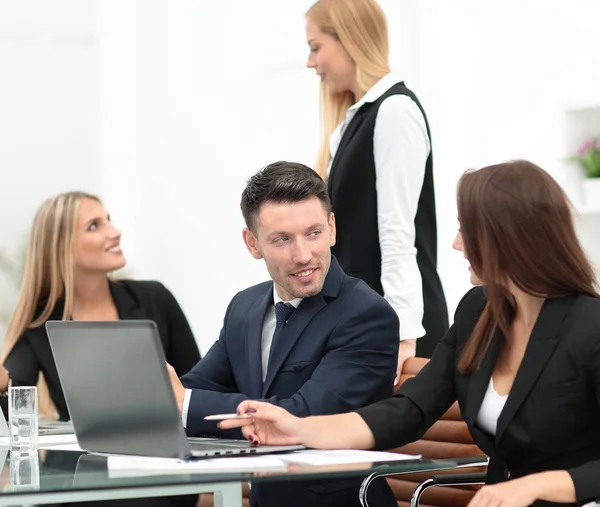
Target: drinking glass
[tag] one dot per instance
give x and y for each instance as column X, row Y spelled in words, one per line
column 23, row 420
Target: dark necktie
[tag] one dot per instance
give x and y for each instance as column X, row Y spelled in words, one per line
column 283, row 311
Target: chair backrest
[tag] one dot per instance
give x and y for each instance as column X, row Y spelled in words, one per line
column 447, row 438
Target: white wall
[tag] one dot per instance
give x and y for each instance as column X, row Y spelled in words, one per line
column 165, row 108
column 207, row 96
column 497, row 80
column 49, row 129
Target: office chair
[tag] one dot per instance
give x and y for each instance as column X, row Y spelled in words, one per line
column 448, row 438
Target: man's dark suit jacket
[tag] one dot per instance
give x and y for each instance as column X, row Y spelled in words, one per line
column 134, row 300
column 552, row 415
column 337, row 352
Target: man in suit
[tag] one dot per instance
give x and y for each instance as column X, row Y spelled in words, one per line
column 312, row 340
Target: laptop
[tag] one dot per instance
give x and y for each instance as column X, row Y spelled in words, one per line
column 119, row 395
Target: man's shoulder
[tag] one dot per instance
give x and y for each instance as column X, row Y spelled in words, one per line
column 356, row 288
column 357, row 297
column 245, row 302
column 249, row 296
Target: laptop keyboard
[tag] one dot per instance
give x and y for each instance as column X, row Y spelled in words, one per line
column 220, row 446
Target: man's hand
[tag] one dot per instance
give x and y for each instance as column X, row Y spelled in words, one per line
column 407, row 349
column 178, row 388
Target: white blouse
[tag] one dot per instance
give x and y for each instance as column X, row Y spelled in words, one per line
column 492, row 405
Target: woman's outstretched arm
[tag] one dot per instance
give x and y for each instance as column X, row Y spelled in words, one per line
column 273, row 425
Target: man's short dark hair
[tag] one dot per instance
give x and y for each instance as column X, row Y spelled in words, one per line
column 281, row 182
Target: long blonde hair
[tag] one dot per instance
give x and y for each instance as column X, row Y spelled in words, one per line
column 48, row 275
column 361, row 27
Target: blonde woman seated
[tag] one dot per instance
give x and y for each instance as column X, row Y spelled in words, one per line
column 72, row 250
column 522, row 357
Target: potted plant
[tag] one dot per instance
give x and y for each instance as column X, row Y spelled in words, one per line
column 588, row 156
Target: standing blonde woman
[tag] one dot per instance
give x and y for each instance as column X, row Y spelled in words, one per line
column 376, row 155
column 72, row 250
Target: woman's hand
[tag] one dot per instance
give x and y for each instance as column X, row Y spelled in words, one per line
column 553, row 486
column 515, row 493
column 269, row 425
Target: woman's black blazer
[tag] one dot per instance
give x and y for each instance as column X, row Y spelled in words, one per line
column 134, row 300
column 551, row 419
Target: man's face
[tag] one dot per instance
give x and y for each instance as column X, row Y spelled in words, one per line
column 295, row 240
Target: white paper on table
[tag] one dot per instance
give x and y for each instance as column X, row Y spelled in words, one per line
column 133, row 466
column 342, row 456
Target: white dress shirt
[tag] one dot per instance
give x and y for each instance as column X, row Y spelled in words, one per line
column 491, row 406
column 401, row 148
column 267, row 339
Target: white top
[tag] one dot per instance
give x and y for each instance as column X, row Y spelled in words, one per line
column 267, row 338
column 490, row 409
column 401, row 147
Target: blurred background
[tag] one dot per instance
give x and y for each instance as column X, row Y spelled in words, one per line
column 164, row 109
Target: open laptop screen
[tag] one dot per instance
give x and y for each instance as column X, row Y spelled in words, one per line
column 117, row 387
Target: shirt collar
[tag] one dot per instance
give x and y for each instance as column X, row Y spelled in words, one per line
column 277, row 299
column 377, row 90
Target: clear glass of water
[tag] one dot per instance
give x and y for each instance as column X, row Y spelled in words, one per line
column 23, row 420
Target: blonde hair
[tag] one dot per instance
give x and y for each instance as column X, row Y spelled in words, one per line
column 361, row 27
column 48, row 276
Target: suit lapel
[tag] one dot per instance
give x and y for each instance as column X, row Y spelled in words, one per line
column 346, row 137
column 254, row 327
column 128, row 307
column 300, row 319
column 542, row 342
column 480, row 379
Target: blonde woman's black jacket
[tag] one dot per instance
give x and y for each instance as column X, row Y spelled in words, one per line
column 134, row 300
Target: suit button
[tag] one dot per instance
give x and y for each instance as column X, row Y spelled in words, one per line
column 508, row 474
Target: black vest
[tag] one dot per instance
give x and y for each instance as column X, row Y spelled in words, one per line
column 354, row 199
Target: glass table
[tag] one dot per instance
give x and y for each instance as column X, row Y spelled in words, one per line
column 55, row 476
